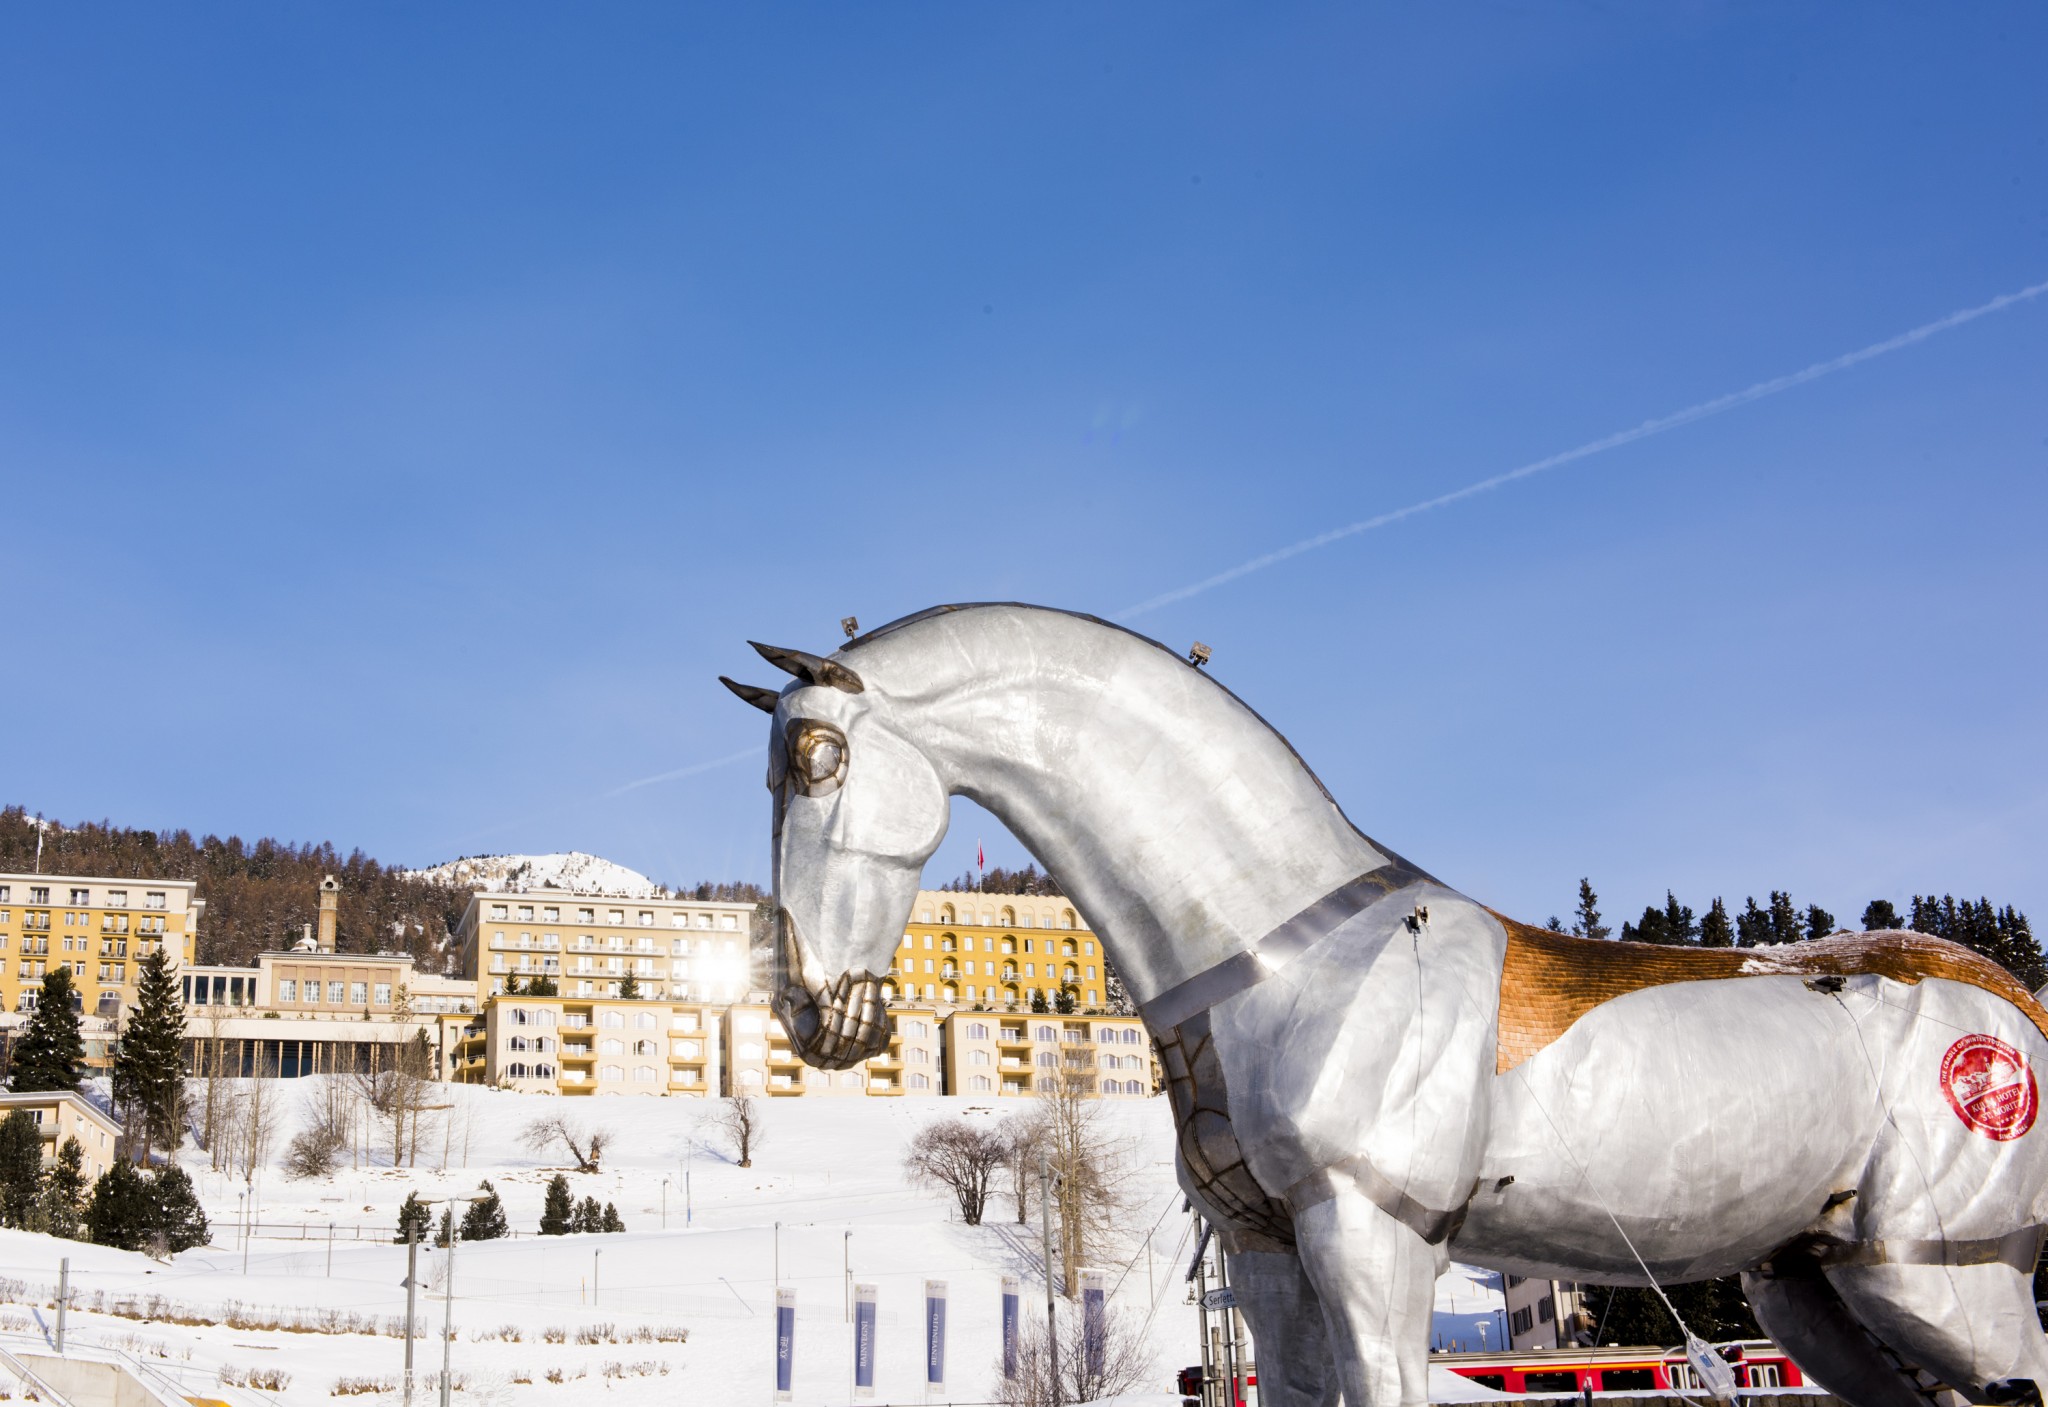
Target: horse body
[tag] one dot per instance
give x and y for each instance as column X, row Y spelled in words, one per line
column 1336, row 1031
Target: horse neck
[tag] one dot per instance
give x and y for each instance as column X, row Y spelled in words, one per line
column 1184, row 829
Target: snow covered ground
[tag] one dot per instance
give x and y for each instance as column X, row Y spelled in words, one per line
column 555, row 1319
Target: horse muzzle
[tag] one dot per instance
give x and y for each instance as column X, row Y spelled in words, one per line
column 833, row 1025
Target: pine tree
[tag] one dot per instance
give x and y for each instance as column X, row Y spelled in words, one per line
column 1554, row 924
column 414, row 1216
column 178, row 1217
column 612, row 1220
column 1715, row 929
column 1671, row 925
column 1752, row 925
column 1819, row 922
column 558, row 1211
column 1879, row 916
column 119, row 1213
column 1587, row 923
column 589, row 1215
column 21, row 1168
column 447, row 1226
column 541, row 986
column 485, row 1220
column 2016, row 937
column 61, row 1209
column 512, row 988
column 149, row 1071
column 1038, row 1000
column 1785, row 924
column 629, row 988
column 1063, row 1001
column 51, row 1050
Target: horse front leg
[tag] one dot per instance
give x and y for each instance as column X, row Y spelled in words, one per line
column 1376, row 1278
column 1286, row 1319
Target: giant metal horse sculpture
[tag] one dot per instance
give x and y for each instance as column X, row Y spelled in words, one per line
column 1371, row 1073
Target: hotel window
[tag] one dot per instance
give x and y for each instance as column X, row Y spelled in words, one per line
column 917, row 1081
column 336, row 991
column 551, row 914
column 312, row 992
column 358, row 993
column 977, row 1057
column 117, row 898
column 616, row 917
column 500, row 912
column 526, row 913
column 981, row 1083
column 383, row 994
column 646, row 919
column 643, row 1073
column 686, row 1050
column 727, row 922
column 703, row 920
column 287, row 990
column 684, row 1021
column 39, row 894
column 82, row 898
column 6, row 893
column 611, row 1072
column 586, row 916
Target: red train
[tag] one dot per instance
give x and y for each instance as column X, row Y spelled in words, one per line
column 1759, row 1364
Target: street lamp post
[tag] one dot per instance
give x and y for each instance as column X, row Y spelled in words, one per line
column 448, row 1292
column 664, row 1204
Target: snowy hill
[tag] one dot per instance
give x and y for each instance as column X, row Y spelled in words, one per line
column 556, row 1321
column 573, row 871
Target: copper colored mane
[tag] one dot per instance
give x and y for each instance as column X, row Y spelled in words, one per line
column 1550, row 979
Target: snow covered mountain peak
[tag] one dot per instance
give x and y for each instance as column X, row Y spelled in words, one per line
column 573, row 872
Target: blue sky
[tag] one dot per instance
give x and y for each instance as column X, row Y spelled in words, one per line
column 405, row 414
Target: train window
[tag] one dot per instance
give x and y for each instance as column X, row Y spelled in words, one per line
column 1550, row 1382
column 1628, row 1379
column 1764, row 1375
column 1497, row 1381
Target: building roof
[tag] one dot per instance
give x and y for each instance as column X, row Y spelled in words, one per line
column 39, row 1098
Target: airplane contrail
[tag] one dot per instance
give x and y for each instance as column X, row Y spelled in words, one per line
column 681, row 772
column 1647, row 428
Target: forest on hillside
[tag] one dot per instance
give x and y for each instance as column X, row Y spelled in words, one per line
column 259, row 893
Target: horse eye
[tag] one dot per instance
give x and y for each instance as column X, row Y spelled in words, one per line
column 817, row 756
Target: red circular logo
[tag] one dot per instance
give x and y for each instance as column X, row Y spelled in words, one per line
column 1990, row 1087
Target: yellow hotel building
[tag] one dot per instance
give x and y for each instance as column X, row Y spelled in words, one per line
column 99, row 928
column 994, row 951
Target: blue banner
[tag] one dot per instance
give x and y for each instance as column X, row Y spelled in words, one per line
column 1013, row 1290
column 785, row 1343
column 863, row 1340
column 934, row 1337
column 1094, row 1324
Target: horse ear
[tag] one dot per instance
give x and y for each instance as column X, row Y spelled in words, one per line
column 812, row 669
column 763, row 699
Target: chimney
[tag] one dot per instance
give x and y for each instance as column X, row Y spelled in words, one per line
column 330, row 900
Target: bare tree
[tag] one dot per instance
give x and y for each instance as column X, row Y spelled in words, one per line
column 255, row 1119
column 1090, row 1167
column 585, row 1145
column 328, row 1128
column 740, row 1122
column 1118, row 1358
column 401, row 1095
column 961, row 1156
column 1025, row 1139
column 208, row 1056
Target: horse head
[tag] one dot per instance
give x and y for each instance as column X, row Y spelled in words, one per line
column 858, row 811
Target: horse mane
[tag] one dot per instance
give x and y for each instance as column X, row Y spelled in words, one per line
column 934, row 612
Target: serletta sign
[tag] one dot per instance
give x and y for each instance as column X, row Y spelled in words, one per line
column 1383, row 1072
